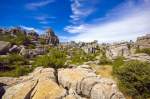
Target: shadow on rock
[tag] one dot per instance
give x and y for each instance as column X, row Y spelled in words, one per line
column 2, row 90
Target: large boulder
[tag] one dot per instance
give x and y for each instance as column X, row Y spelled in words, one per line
column 105, row 89
column 71, row 78
column 39, row 84
column 20, row 91
column 4, row 47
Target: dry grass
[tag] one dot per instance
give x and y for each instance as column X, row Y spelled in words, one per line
column 104, row 71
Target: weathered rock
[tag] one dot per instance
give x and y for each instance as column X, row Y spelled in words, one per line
column 14, row 48
column 50, row 37
column 37, row 85
column 20, row 91
column 73, row 83
column 48, row 89
column 71, row 78
column 87, row 85
column 106, row 89
column 4, row 47
column 141, row 57
column 119, row 49
column 23, row 51
column 143, row 41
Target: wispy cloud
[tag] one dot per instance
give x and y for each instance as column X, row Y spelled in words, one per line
column 125, row 22
column 81, row 9
column 45, row 19
column 36, row 5
column 40, row 31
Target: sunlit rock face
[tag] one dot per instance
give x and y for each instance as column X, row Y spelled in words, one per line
column 119, row 49
column 4, row 47
column 50, row 37
column 65, row 83
column 143, row 41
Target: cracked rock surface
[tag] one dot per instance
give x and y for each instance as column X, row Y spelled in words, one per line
column 69, row 83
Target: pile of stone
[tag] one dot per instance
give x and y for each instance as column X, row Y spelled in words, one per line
column 70, row 83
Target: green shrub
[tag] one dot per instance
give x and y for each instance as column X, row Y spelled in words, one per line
column 20, row 70
column 13, row 65
column 104, row 61
column 144, row 50
column 134, row 79
column 119, row 61
column 55, row 59
column 31, row 46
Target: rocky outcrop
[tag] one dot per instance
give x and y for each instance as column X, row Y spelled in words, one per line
column 85, row 82
column 70, row 83
column 50, row 37
column 140, row 56
column 119, row 49
column 143, row 41
column 40, row 84
column 4, row 47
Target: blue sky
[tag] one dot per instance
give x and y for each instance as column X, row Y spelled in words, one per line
column 80, row 20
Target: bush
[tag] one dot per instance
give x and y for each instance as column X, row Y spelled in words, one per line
column 13, row 65
column 56, row 59
column 104, row 61
column 31, row 46
column 134, row 79
column 119, row 61
column 20, row 71
column 144, row 50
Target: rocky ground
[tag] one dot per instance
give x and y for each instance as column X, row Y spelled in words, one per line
column 70, row 83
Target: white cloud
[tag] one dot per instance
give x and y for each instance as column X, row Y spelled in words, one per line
column 81, row 9
column 125, row 22
column 40, row 31
column 36, row 5
column 45, row 19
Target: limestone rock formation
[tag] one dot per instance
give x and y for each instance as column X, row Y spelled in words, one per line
column 119, row 49
column 85, row 82
column 4, row 47
column 40, row 84
column 143, row 42
column 70, row 83
column 50, row 37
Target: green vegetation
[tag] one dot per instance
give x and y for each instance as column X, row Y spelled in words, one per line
column 78, row 56
column 14, row 65
column 144, row 50
column 103, row 59
column 55, row 59
column 133, row 78
column 31, row 46
column 19, row 39
column 119, row 61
